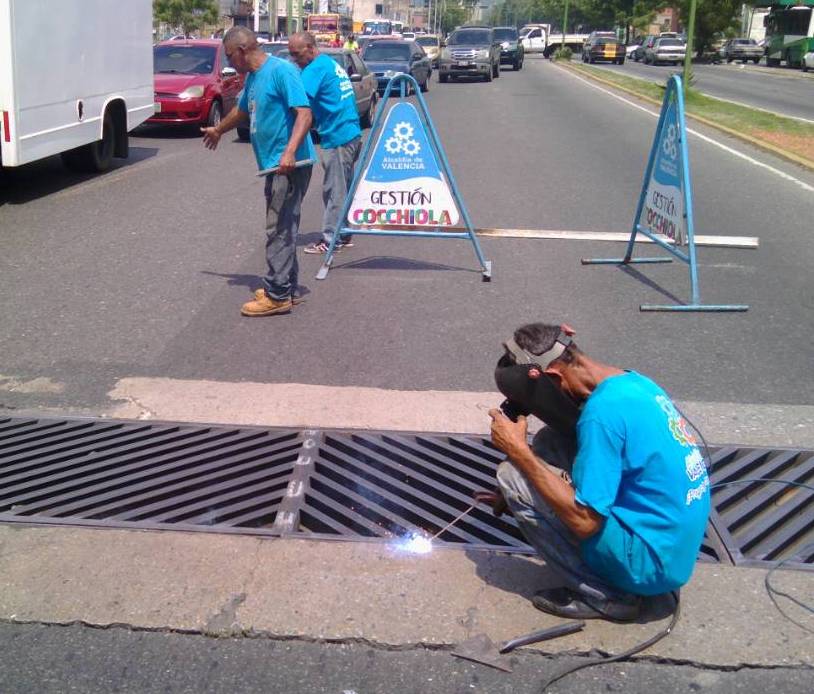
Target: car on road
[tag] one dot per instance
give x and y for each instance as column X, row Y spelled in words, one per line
column 808, row 61
column 365, row 84
column 603, row 48
column 631, row 48
column 432, row 45
column 665, row 50
column 470, row 52
column 194, row 83
column 741, row 49
column 387, row 58
column 511, row 50
column 647, row 42
column 275, row 48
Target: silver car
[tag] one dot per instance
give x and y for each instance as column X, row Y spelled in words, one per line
column 470, row 51
column 665, row 50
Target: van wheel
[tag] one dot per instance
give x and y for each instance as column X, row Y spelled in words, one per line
column 97, row 156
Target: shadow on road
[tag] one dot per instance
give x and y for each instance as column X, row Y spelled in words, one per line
column 386, row 262
column 39, row 179
column 646, row 281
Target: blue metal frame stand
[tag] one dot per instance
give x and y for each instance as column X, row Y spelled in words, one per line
column 404, row 81
column 674, row 91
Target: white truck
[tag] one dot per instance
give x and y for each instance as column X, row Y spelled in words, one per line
column 537, row 38
column 75, row 77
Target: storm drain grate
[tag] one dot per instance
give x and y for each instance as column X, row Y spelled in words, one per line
column 342, row 485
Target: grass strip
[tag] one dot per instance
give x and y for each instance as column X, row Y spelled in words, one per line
column 794, row 137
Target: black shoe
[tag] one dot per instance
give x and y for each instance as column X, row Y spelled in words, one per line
column 563, row 602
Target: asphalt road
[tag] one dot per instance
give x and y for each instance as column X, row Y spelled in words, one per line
column 83, row 660
column 781, row 90
column 142, row 271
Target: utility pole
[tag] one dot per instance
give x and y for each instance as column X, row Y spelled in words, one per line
column 256, row 16
column 564, row 23
column 690, row 37
column 273, row 19
column 300, row 18
column 289, row 20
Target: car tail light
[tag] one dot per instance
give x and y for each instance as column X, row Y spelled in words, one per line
column 6, row 128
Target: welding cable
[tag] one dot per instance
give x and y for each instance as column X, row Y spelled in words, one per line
column 626, row 654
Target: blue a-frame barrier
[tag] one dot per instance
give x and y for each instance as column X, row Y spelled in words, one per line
column 404, row 81
column 674, row 96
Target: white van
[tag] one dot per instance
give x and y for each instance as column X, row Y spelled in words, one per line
column 75, row 77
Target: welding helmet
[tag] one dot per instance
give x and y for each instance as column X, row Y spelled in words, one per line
column 520, row 376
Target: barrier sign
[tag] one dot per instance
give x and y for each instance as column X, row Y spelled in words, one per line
column 664, row 212
column 403, row 185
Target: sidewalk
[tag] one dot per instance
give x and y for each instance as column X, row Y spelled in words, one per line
column 357, row 592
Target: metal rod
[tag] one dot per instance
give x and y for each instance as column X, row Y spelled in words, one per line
column 454, row 521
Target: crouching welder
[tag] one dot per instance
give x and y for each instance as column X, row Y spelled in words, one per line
column 613, row 493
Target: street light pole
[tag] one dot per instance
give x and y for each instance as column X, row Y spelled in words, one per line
column 690, row 38
column 564, row 23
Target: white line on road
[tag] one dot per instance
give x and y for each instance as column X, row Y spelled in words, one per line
column 700, row 240
column 782, row 174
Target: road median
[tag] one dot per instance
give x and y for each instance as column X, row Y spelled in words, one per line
column 787, row 138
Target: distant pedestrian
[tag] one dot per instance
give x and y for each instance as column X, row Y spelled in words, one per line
column 351, row 44
column 330, row 93
column 275, row 105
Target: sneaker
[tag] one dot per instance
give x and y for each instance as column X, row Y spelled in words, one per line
column 317, row 248
column 563, row 602
column 265, row 306
column 345, row 244
column 296, row 299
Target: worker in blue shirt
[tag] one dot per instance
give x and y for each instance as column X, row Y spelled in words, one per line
column 275, row 106
column 619, row 512
column 333, row 104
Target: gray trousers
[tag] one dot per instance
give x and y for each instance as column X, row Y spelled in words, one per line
column 284, row 196
column 552, row 539
column 337, row 163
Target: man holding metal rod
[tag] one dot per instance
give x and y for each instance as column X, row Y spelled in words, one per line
column 276, row 107
column 614, row 495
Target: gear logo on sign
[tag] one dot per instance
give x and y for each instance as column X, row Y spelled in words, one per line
column 669, row 143
column 402, row 142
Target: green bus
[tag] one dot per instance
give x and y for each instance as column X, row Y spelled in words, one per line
column 789, row 32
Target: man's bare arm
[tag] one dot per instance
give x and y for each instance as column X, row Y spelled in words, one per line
column 302, row 125
column 212, row 135
column 510, row 437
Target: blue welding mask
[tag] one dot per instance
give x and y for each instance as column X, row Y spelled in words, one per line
column 520, row 376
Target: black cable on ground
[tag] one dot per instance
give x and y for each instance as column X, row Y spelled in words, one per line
column 638, row 648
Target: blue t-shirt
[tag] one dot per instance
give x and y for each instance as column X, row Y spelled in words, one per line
column 638, row 465
column 268, row 97
column 330, row 92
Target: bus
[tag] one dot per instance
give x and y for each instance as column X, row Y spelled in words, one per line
column 371, row 27
column 789, row 32
column 325, row 27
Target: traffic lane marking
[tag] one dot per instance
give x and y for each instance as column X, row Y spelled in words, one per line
column 700, row 240
column 654, row 114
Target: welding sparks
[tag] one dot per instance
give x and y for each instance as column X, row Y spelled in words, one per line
column 413, row 543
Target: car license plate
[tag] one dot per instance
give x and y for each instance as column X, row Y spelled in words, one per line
column 463, row 63
column 157, row 106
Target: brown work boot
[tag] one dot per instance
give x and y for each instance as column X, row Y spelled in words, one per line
column 265, row 306
column 296, row 299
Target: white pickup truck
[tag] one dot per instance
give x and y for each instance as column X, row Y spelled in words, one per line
column 75, row 77
column 537, row 38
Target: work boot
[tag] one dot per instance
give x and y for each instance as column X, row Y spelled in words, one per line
column 296, row 299
column 564, row 602
column 266, row 306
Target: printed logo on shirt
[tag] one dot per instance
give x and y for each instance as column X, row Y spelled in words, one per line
column 694, row 463
column 697, row 493
column 345, row 85
column 676, row 423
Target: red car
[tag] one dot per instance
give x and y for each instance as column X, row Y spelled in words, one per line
column 194, row 82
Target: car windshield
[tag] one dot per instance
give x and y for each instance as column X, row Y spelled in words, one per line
column 746, row 42
column 274, row 48
column 469, row 38
column 505, row 34
column 669, row 42
column 427, row 41
column 184, row 60
column 607, row 41
column 387, row 52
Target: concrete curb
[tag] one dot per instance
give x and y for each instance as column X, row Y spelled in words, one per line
column 760, row 144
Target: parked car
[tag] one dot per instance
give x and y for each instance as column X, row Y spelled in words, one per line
column 276, row 48
column 432, row 45
column 365, row 84
column 741, row 49
column 631, row 48
column 665, row 50
column 646, row 43
column 387, row 58
column 603, row 48
column 511, row 50
column 194, row 82
column 470, row 51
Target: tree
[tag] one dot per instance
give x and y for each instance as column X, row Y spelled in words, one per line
column 186, row 15
column 712, row 17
